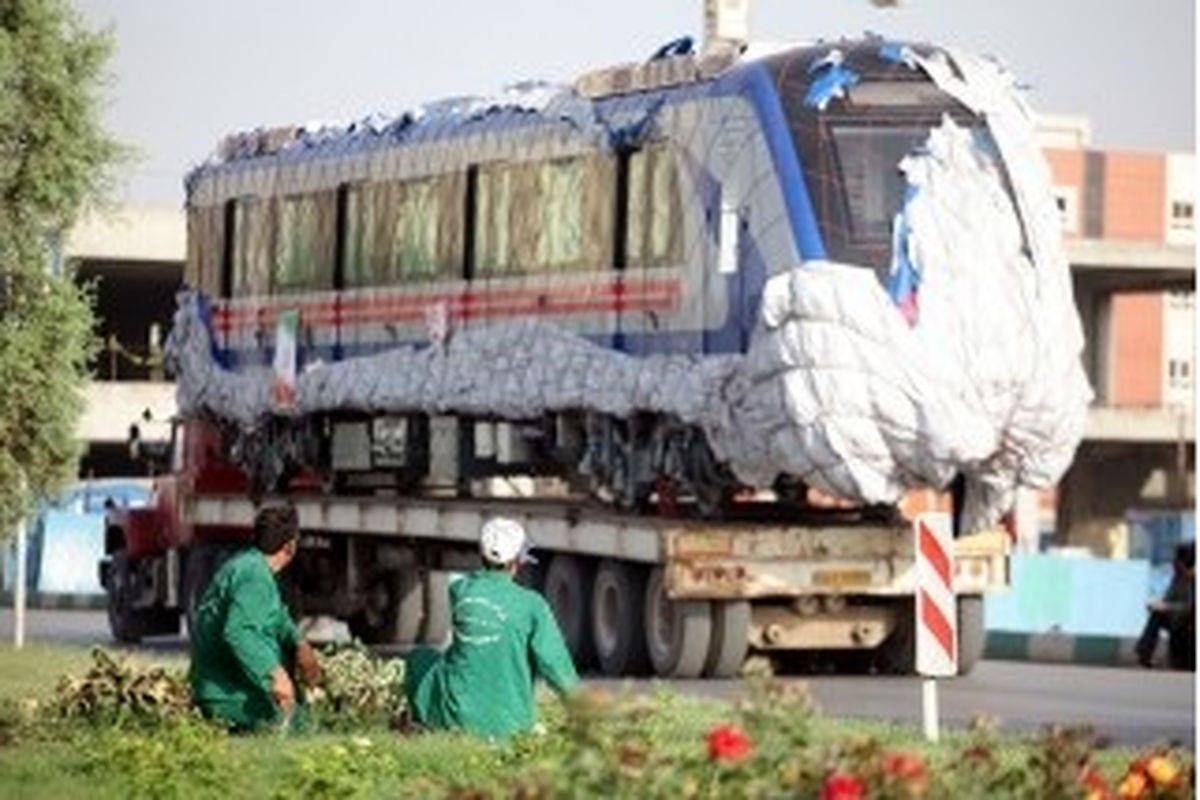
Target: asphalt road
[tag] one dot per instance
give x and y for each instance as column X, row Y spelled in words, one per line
column 1132, row 707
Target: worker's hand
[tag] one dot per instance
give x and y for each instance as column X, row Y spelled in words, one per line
column 307, row 665
column 283, row 691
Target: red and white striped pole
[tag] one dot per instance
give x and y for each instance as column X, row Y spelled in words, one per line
column 936, row 610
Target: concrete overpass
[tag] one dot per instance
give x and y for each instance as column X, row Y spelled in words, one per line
column 1133, row 456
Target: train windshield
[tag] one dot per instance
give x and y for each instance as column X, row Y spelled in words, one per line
column 851, row 148
column 868, row 159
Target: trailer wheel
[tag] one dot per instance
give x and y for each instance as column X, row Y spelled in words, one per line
column 898, row 653
column 616, row 618
column 730, row 639
column 568, row 589
column 678, row 632
column 971, row 634
column 435, row 629
column 394, row 609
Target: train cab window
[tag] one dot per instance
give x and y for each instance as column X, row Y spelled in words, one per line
column 252, row 231
column 305, row 241
column 404, row 231
column 653, row 224
column 869, row 159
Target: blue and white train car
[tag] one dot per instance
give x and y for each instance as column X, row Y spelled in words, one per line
column 644, row 211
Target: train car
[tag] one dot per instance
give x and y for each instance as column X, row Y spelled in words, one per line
column 570, row 281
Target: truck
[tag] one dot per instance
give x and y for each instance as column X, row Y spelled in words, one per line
column 633, row 594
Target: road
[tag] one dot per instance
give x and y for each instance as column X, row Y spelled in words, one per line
column 1131, row 707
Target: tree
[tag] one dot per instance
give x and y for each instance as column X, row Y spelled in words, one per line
column 56, row 159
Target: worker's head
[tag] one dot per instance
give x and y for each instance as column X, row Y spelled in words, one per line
column 504, row 545
column 277, row 533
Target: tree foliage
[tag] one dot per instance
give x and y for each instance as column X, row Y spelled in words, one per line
column 55, row 160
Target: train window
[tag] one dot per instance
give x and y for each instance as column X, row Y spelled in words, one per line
column 653, row 238
column 305, row 241
column 251, row 246
column 406, row 231
column 561, row 239
column 205, row 248
column 547, row 216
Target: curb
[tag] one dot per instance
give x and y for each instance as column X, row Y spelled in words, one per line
column 1061, row 648
column 56, row 601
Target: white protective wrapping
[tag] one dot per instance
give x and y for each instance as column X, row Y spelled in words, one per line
column 837, row 388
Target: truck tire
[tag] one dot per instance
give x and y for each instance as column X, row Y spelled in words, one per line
column 898, row 653
column 122, row 619
column 396, row 600
column 617, row 618
column 435, row 629
column 730, row 638
column 568, row 590
column 130, row 625
column 971, row 634
column 678, row 632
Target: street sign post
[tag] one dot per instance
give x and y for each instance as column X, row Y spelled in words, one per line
column 936, row 610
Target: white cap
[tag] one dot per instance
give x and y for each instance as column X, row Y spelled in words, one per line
column 503, row 541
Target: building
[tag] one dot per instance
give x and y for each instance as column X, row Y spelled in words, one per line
column 134, row 260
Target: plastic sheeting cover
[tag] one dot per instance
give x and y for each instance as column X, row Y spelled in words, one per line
column 839, row 387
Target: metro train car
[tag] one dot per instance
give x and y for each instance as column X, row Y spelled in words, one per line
column 641, row 214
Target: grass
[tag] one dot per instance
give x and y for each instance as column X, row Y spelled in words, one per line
column 67, row 761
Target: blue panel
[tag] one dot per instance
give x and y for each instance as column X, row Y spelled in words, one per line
column 1075, row 596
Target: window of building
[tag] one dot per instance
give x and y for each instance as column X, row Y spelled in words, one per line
column 653, row 237
column 1182, row 214
column 1066, row 198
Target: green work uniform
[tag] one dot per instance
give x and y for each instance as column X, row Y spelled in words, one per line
column 504, row 637
column 243, row 633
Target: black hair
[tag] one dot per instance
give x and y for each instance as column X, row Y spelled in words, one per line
column 274, row 526
column 1185, row 554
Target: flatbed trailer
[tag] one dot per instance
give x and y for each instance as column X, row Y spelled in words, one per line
column 633, row 594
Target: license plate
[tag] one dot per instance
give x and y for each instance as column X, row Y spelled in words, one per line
column 840, row 578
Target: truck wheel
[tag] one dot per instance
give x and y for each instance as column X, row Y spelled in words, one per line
column 435, row 629
column 130, row 625
column 898, row 653
column 730, row 638
column 122, row 619
column 678, row 632
column 394, row 609
column 971, row 634
column 568, row 590
column 616, row 618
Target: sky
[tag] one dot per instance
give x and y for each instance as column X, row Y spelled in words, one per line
column 184, row 74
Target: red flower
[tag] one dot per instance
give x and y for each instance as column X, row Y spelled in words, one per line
column 1094, row 784
column 728, row 743
column 843, row 786
column 909, row 770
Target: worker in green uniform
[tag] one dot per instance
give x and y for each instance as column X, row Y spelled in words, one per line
column 505, row 636
column 244, row 638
